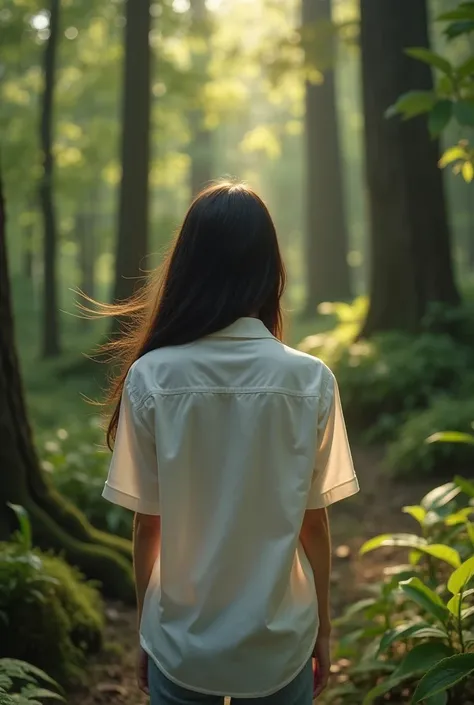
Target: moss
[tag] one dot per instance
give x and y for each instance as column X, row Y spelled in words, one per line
column 51, row 617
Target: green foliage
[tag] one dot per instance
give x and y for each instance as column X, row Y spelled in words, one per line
column 454, row 94
column 22, row 684
column 49, row 616
column 384, row 380
column 416, row 631
column 415, row 447
column 77, row 463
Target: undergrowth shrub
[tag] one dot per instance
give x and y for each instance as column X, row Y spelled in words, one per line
column 24, row 684
column 414, row 450
column 49, row 615
column 76, row 461
column 411, row 638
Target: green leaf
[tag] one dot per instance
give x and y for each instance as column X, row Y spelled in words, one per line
column 444, row 675
column 465, row 11
column 466, row 69
column 450, row 155
column 410, row 630
column 417, row 512
column 427, row 599
column 461, row 577
column 437, row 699
column 397, row 540
column 459, row 517
column 431, row 58
column 456, row 29
column 453, row 605
column 464, row 112
column 440, row 496
column 443, row 553
column 468, row 172
column 470, row 532
column 412, row 104
column 451, row 436
column 439, row 117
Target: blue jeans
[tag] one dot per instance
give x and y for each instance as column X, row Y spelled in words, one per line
column 165, row 692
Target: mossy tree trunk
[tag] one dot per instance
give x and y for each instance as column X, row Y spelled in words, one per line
column 411, row 262
column 327, row 270
column 56, row 523
column 132, row 237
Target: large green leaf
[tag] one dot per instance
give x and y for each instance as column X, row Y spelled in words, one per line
column 459, row 517
column 427, row 599
column 413, row 542
column 440, row 496
column 431, row 58
column 400, row 540
column 456, row 29
column 418, row 660
column 453, row 605
column 461, row 576
column 412, row 104
column 464, row 112
column 452, row 436
column 444, row 675
column 410, row 630
column 437, row 699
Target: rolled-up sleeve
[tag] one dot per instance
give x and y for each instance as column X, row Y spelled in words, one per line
column 132, row 481
column 334, row 476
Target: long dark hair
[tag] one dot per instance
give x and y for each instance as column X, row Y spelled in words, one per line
column 225, row 264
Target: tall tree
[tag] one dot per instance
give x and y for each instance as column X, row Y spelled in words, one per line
column 328, row 277
column 132, row 241
column 411, row 264
column 201, row 146
column 56, row 523
column 51, row 343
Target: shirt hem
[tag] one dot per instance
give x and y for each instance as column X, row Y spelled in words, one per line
column 336, row 494
column 251, row 695
column 135, row 504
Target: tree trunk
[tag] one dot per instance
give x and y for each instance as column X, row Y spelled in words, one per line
column 201, row 147
column 56, row 523
column 132, row 242
column 411, row 265
column 328, row 277
column 86, row 252
column 51, row 344
column 27, row 251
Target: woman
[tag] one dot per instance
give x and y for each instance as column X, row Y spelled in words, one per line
column 228, row 446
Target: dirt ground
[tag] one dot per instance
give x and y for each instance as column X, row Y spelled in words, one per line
column 375, row 510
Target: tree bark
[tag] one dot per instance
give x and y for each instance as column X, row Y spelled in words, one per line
column 327, row 270
column 132, row 240
column 56, row 523
column 51, row 343
column 201, row 147
column 86, row 252
column 411, row 264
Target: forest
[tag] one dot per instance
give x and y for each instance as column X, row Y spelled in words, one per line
column 354, row 119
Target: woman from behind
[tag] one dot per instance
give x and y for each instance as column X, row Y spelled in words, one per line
column 228, row 446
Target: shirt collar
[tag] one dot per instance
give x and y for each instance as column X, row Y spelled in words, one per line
column 244, row 328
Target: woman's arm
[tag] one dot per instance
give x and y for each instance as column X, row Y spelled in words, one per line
column 316, row 540
column 146, row 546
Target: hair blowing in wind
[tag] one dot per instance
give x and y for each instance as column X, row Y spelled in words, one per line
column 225, row 264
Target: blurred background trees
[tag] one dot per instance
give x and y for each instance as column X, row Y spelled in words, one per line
column 354, row 120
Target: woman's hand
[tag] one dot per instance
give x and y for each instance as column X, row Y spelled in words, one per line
column 142, row 670
column 322, row 654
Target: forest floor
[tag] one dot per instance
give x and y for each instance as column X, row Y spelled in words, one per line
column 376, row 509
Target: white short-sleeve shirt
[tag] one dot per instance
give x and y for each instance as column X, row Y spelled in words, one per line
column 230, row 439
